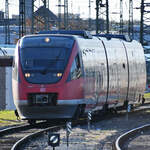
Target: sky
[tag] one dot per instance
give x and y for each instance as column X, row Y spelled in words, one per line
column 81, row 7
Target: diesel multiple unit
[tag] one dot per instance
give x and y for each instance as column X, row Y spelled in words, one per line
column 62, row 74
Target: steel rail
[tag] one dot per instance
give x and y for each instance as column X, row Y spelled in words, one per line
column 13, row 129
column 24, row 140
column 9, row 136
column 17, row 129
column 119, row 143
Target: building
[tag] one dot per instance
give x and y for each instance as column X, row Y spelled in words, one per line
column 1, row 15
column 1, row 18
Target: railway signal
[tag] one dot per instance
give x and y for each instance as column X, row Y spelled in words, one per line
column 53, row 140
column 89, row 119
column 68, row 131
column 128, row 110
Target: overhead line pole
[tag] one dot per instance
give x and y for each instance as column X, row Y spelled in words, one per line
column 22, row 24
column 89, row 14
column 65, row 14
column 7, row 30
column 97, row 16
column 59, row 14
column 144, row 24
column 102, row 9
column 107, row 16
column 141, row 22
column 130, row 25
column 121, row 17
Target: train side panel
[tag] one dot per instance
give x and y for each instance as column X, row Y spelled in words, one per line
column 98, row 72
column 95, row 71
column 118, row 71
column 137, row 70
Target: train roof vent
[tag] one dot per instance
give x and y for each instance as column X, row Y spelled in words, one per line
column 85, row 34
column 118, row 36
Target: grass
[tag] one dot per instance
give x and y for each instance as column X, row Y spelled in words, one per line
column 8, row 115
column 147, row 95
column 7, row 118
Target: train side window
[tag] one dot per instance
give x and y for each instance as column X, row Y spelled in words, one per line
column 75, row 71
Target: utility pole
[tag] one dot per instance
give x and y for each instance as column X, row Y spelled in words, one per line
column 97, row 16
column 107, row 17
column 89, row 14
column 22, row 23
column 102, row 14
column 144, row 24
column 59, row 14
column 130, row 25
column 7, row 30
column 65, row 14
column 121, row 17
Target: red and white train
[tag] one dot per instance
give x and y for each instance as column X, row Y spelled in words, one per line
column 61, row 74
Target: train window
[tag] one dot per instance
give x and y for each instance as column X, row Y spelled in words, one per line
column 123, row 65
column 75, row 71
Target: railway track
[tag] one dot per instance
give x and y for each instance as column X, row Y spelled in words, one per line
column 123, row 141
column 15, row 137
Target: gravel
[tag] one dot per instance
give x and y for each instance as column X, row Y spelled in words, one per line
column 139, row 141
column 101, row 136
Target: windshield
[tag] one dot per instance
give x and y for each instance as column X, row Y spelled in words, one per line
column 44, row 58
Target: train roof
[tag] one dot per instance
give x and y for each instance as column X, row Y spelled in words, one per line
column 84, row 34
column 117, row 36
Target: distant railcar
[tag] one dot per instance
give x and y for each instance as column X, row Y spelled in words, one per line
column 147, row 57
column 62, row 74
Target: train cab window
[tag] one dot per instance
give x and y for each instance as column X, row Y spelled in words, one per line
column 75, row 71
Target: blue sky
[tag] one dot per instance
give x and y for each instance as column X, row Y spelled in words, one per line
column 81, row 6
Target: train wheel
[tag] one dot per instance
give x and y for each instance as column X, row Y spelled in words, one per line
column 125, row 105
column 105, row 108
column 31, row 122
column 113, row 110
column 143, row 100
column 79, row 112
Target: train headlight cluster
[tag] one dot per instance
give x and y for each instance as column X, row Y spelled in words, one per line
column 59, row 74
column 27, row 75
column 47, row 39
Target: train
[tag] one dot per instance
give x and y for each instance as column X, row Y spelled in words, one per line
column 64, row 74
column 147, row 59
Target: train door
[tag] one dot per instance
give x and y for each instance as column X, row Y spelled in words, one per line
column 112, row 71
column 117, row 70
column 101, row 73
column 132, row 70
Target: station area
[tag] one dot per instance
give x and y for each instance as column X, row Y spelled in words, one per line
column 74, row 74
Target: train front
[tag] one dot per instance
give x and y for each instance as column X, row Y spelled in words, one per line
column 46, row 84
